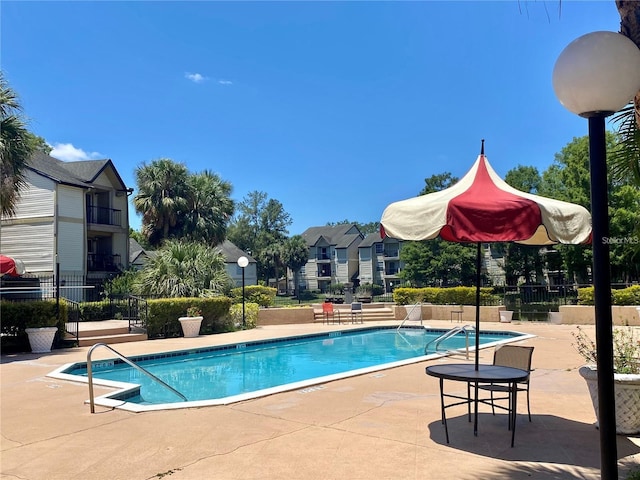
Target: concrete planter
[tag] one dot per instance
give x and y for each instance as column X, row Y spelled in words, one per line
column 505, row 316
column 555, row 318
column 41, row 339
column 626, row 394
column 190, row 326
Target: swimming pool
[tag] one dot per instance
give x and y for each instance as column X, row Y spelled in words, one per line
column 235, row 372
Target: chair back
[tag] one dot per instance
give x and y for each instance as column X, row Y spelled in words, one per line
column 356, row 306
column 515, row 356
column 327, row 307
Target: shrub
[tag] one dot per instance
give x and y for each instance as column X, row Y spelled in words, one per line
column 250, row 314
column 163, row 314
column 444, row 296
column 18, row 316
column 263, row 296
column 96, row 310
column 586, row 296
column 627, row 296
column 624, row 296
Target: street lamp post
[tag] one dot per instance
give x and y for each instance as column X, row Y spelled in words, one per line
column 595, row 76
column 242, row 263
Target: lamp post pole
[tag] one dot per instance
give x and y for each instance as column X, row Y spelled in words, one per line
column 602, row 296
column 242, row 263
column 595, row 76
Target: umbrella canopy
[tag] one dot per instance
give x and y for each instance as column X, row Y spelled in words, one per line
column 482, row 207
column 10, row 267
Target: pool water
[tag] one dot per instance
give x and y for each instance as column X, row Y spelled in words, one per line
column 227, row 373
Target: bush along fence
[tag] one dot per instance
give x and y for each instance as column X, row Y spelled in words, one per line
column 18, row 316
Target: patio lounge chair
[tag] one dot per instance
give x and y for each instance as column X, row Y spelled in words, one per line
column 356, row 309
column 516, row 356
column 328, row 311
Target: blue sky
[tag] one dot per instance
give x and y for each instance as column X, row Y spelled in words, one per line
column 336, row 109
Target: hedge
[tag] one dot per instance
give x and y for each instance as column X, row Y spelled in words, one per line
column 163, row 314
column 624, row 296
column 444, row 296
column 18, row 316
column 263, row 296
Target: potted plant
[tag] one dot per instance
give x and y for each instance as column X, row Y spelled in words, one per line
column 191, row 323
column 626, row 377
column 41, row 324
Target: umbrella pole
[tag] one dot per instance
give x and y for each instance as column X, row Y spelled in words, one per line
column 478, row 277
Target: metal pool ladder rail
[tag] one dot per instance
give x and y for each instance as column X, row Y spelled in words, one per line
column 413, row 315
column 449, row 334
column 128, row 362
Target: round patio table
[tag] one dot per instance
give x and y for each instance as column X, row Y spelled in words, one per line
column 485, row 374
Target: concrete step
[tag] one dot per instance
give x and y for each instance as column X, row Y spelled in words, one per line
column 111, row 339
column 106, row 331
column 368, row 314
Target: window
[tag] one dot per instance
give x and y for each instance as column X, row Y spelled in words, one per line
column 379, row 248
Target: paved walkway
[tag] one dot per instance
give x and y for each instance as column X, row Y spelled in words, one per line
column 379, row 426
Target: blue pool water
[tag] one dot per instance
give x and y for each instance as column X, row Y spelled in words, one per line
column 232, row 370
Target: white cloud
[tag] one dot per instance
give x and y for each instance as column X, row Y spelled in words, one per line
column 195, row 77
column 69, row 153
column 225, row 82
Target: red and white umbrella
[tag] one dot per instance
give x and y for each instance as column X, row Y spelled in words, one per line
column 482, row 207
column 10, row 266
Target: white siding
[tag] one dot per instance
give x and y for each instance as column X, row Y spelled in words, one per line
column 70, row 202
column 250, row 273
column 71, row 247
column 36, row 198
column 342, row 266
column 120, row 247
column 33, row 244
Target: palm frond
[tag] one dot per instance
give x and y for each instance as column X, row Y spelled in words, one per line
column 624, row 160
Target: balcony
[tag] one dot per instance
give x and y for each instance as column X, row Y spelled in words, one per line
column 102, row 262
column 104, row 216
column 324, row 273
column 391, row 254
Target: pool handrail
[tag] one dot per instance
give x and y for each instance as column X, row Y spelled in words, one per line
column 449, row 334
column 128, row 362
column 412, row 313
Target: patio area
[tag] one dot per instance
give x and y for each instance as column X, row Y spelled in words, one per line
column 385, row 425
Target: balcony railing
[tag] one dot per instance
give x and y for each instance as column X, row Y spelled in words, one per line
column 323, row 256
column 101, row 262
column 392, row 253
column 104, row 216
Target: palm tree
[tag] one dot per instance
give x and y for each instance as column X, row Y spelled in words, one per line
column 625, row 160
column 161, row 198
column 15, row 148
column 209, row 208
column 183, row 269
column 295, row 254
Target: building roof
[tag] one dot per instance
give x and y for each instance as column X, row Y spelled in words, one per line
column 341, row 236
column 232, row 253
column 77, row 174
column 370, row 240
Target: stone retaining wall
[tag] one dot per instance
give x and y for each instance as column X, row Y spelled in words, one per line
column 281, row 316
column 569, row 314
column 585, row 315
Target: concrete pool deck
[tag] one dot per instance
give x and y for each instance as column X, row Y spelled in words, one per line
column 385, row 425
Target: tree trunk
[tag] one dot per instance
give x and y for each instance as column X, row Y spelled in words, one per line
column 629, row 11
